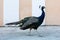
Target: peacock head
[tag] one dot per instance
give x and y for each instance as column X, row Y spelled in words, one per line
column 42, row 7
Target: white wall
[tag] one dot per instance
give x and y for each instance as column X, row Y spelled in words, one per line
column 35, row 7
column 11, row 11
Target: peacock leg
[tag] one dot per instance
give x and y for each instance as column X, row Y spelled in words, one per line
column 30, row 32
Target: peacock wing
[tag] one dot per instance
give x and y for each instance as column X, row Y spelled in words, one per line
column 29, row 22
column 23, row 21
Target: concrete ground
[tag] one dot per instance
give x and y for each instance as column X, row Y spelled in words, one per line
column 43, row 33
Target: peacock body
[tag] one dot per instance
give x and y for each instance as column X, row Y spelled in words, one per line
column 30, row 22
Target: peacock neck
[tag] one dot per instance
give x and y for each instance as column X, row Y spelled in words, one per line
column 42, row 15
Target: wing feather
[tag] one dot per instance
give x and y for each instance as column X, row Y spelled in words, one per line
column 30, row 21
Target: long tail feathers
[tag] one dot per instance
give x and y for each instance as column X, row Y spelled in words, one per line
column 13, row 23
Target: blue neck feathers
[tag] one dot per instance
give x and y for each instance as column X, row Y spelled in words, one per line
column 42, row 15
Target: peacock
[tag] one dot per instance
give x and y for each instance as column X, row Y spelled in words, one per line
column 31, row 22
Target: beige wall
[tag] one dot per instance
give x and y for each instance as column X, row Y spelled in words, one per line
column 1, row 12
column 53, row 12
column 25, row 8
